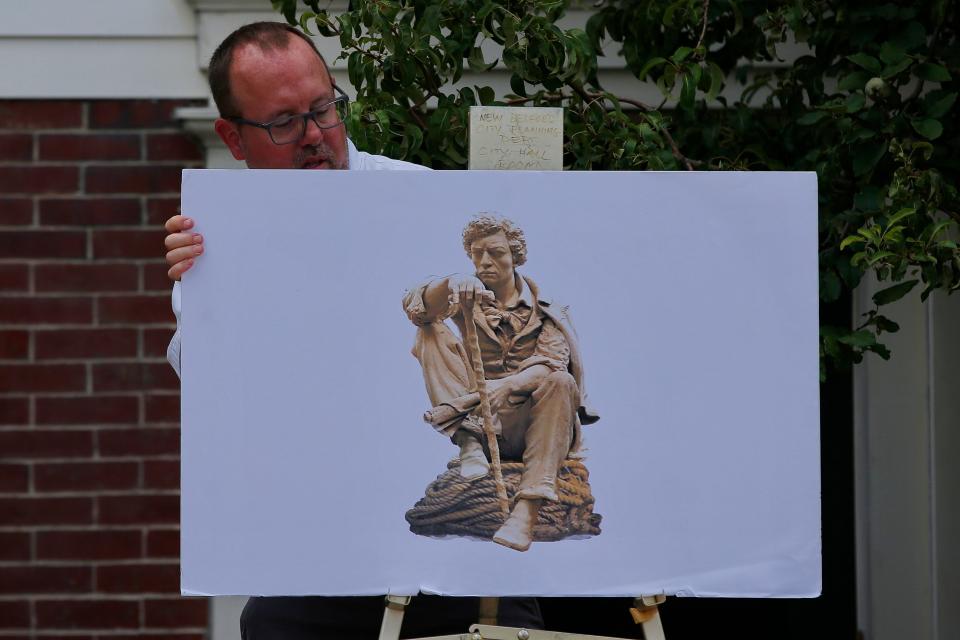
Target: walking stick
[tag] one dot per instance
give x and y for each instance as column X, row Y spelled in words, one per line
column 473, row 343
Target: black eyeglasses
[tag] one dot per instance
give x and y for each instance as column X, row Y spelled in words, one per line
column 290, row 129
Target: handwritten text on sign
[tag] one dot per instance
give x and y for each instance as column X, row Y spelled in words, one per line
column 516, row 138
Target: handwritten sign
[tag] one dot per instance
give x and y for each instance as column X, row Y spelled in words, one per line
column 516, row 138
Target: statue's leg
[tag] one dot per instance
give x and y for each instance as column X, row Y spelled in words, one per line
column 447, row 375
column 547, row 439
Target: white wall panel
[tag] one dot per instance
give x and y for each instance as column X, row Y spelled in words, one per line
column 96, row 18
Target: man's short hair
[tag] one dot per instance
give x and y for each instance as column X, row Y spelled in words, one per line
column 269, row 36
column 485, row 224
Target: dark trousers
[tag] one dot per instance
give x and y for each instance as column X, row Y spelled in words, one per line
column 359, row 618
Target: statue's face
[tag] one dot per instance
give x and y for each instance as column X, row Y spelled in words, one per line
column 492, row 260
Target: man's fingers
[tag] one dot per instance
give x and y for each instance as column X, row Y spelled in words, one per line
column 183, row 253
column 176, row 240
column 178, row 269
column 178, row 223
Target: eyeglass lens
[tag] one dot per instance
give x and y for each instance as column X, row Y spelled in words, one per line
column 292, row 128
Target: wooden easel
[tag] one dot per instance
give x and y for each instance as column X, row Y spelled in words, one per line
column 644, row 612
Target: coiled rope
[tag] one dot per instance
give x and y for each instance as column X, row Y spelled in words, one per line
column 454, row 506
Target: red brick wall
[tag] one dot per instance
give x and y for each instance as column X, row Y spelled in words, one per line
column 89, row 408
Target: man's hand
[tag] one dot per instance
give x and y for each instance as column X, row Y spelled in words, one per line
column 467, row 290
column 183, row 246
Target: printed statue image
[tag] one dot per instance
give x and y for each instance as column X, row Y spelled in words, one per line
column 509, row 392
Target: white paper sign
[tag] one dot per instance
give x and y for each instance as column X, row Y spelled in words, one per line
column 694, row 297
column 517, row 138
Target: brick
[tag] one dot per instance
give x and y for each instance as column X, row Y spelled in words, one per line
column 100, row 544
column 173, row 146
column 84, row 343
column 40, row 114
column 86, row 277
column 87, row 410
column 45, row 511
column 162, row 408
column 89, row 211
column 14, row 345
column 16, row 211
column 46, row 310
column 128, row 244
column 42, row 377
column 179, row 612
column 155, row 277
column 62, row 146
column 163, row 543
column 134, row 376
column 161, row 474
column 155, row 342
column 135, row 114
column 39, row 179
column 139, row 509
column 44, row 579
column 161, row 209
column 139, row 442
column 43, row 244
column 14, row 277
column 14, row 478
column 88, row 614
column 139, row 578
column 16, row 146
column 85, row 476
column 147, row 635
column 30, row 443
column 135, row 309
column 14, row 614
column 14, row 546
column 127, row 179
column 14, row 411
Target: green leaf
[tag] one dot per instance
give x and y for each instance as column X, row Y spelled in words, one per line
column 649, row 66
column 849, row 240
column 854, row 81
column 928, row 128
column 811, row 117
column 866, row 156
column 716, row 80
column 866, row 61
column 891, row 54
column 681, row 54
column 862, row 338
column 894, row 69
column 855, row 102
column 894, row 293
column 937, row 108
column 900, row 215
column 932, row 72
column 868, row 199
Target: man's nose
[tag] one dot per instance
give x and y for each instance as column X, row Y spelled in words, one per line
column 312, row 133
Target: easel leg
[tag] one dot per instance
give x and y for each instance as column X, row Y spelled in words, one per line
column 393, row 617
column 646, row 614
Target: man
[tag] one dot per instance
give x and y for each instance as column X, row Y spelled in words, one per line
column 531, row 367
column 280, row 109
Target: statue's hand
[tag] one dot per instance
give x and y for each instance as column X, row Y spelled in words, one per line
column 503, row 394
column 466, row 290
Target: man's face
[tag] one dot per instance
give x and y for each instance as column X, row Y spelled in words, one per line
column 269, row 84
column 492, row 260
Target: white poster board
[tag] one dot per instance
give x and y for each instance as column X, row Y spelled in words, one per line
column 695, row 302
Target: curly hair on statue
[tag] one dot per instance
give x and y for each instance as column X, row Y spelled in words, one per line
column 486, row 224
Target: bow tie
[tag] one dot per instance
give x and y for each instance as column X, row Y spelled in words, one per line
column 495, row 317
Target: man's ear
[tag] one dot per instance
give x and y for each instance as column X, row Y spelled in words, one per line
column 230, row 134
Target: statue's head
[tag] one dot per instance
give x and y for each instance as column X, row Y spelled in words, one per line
column 496, row 246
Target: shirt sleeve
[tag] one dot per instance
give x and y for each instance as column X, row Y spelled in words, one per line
column 173, row 349
column 416, row 309
column 551, row 350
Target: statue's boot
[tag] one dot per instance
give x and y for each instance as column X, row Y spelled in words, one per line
column 473, row 462
column 517, row 531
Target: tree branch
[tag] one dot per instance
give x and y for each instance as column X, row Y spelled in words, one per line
column 703, row 30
